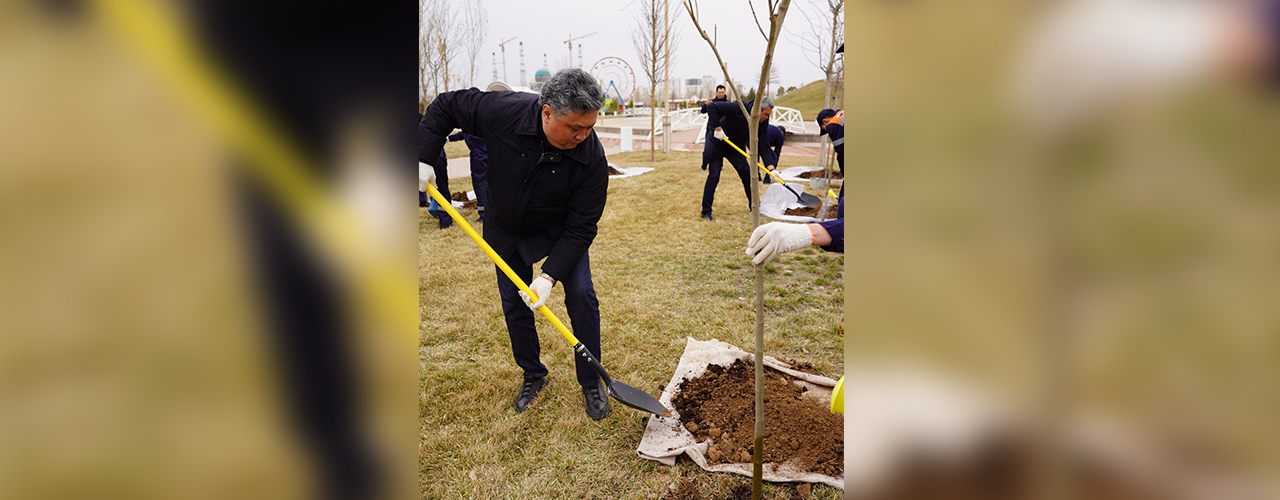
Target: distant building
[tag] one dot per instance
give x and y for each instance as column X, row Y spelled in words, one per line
column 540, row 77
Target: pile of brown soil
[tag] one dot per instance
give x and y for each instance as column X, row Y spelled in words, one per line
column 803, row 212
column 821, row 174
column 614, row 171
column 461, row 196
column 720, row 405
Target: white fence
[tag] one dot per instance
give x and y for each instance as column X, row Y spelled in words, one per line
column 787, row 118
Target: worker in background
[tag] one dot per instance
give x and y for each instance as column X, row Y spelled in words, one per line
column 441, row 176
column 734, row 127
column 831, row 122
column 710, row 147
column 479, row 164
column 777, row 136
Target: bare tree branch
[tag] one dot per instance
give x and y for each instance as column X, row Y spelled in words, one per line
column 691, row 6
column 649, row 38
column 475, row 27
column 756, row 18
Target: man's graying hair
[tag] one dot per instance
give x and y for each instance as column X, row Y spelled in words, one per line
column 572, row 90
column 766, row 102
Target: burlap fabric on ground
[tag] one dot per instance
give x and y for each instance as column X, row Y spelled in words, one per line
column 666, row 438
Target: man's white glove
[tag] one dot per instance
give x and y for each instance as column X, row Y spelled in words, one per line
column 719, row 134
column 541, row 287
column 426, row 176
column 774, row 238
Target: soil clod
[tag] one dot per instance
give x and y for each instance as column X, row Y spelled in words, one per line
column 803, row 212
column 462, row 197
column 821, row 174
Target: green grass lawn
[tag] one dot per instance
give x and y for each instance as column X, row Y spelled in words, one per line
column 807, row 99
column 661, row 274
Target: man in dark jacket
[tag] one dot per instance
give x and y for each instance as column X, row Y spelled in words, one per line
column 545, row 193
column 831, row 122
column 734, row 127
column 710, row 147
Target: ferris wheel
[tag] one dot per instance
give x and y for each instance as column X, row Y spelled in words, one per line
column 615, row 76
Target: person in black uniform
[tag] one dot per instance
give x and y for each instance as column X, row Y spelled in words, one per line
column 734, row 127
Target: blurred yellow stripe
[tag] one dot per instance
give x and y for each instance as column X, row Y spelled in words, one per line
column 153, row 31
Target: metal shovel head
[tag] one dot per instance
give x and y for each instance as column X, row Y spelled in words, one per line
column 637, row 399
column 809, row 200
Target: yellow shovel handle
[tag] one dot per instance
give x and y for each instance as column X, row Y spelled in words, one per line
column 447, row 205
column 758, row 164
column 832, row 194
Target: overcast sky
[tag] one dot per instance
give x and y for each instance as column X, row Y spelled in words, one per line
column 543, row 26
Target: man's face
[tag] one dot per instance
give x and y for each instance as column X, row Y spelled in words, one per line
column 719, row 93
column 566, row 132
column 764, row 114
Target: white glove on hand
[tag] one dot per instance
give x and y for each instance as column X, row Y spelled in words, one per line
column 719, row 134
column 541, row 287
column 426, row 176
column 774, row 238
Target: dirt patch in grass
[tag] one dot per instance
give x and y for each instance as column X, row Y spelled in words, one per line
column 687, row 490
column 803, row 212
column 466, row 204
column 720, row 406
column 682, row 490
column 821, row 174
column 803, row 367
column 614, row 171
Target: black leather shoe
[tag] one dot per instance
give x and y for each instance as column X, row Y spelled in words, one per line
column 597, row 402
column 422, row 204
column 708, row 217
column 528, row 392
column 445, row 222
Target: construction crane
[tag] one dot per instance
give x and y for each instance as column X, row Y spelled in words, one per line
column 570, row 42
column 503, row 46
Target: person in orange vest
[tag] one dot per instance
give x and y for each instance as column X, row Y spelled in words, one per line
column 831, row 122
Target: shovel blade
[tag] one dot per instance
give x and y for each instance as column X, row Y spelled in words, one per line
column 637, row 399
column 809, row 200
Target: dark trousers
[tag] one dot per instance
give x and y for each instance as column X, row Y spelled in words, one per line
column 584, row 318
column 442, row 180
column 478, row 183
column 714, row 166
